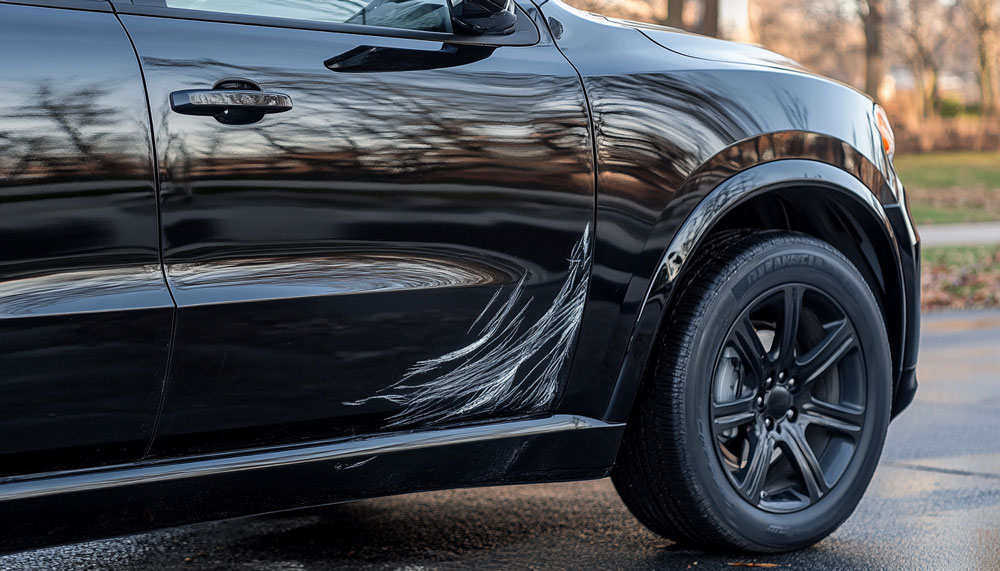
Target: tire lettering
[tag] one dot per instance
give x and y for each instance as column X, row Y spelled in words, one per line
column 774, row 264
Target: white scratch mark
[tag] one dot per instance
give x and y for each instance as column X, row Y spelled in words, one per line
column 342, row 466
column 487, row 308
column 505, row 368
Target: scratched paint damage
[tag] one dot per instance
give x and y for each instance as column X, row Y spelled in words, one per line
column 352, row 465
column 510, row 366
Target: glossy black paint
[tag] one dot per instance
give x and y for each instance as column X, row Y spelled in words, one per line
column 84, row 310
column 271, row 287
column 317, row 254
column 669, row 129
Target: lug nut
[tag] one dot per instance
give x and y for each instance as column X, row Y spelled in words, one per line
column 760, row 401
column 781, row 376
column 768, row 382
column 768, row 423
column 791, row 383
column 790, row 415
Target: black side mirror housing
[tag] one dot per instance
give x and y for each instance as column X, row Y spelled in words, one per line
column 483, row 17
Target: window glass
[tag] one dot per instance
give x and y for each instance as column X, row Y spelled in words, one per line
column 427, row 15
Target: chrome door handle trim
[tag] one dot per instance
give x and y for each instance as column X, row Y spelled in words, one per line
column 214, row 101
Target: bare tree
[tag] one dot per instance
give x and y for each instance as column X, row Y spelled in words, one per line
column 925, row 31
column 825, row 36
column 872, row 13
column 985, row 24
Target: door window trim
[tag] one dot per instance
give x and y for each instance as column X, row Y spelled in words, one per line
column 525, row 32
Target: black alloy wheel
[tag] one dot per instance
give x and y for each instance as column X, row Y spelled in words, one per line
column 788, row 398
column 764, row 415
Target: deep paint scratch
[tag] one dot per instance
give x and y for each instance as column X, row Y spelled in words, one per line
column 491, row 373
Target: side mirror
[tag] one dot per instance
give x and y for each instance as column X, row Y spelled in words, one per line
column 481, row 17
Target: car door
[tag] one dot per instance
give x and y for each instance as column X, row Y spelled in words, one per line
column 85, row 312
column 405, row 244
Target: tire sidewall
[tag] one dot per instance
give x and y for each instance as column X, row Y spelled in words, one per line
column 785, row 262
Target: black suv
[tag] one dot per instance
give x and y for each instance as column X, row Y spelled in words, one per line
column 265, row 254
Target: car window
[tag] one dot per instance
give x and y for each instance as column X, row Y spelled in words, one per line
column 426, row 15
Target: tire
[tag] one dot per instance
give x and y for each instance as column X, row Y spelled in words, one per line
column 716, row 450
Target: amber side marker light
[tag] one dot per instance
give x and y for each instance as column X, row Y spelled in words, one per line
column 888, row 139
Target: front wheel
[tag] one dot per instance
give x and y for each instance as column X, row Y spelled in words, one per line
column 762, row 422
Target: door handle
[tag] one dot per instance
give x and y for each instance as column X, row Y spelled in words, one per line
column 215, row 101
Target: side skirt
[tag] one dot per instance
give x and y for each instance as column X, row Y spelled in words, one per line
column 74, row 506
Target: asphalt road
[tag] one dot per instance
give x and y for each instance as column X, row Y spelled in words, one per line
column 934, row 504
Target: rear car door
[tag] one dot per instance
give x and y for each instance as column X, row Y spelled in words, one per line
column 407, row 245
column 85, row 313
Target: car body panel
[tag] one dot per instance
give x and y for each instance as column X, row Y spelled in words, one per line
column 407, row 246
column 669, row 129
column 84, row 311
column 713, row 49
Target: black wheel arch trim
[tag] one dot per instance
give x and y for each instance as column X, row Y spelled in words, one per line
column 719, row 196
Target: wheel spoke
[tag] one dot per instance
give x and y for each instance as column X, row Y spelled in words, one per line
column 802, row 456
column 833, row 417
column 732, row 414
column 732, row 421
column 826, row 353
column 752, row 353
column 757, row 470
column 792, row 304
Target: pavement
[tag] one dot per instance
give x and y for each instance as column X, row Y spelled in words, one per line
column 934, row 504
column 960, row 234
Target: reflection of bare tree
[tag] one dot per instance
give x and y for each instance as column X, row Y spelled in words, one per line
column 63, row 132
column 76, row 186
column 654, row 130
column 454, row 126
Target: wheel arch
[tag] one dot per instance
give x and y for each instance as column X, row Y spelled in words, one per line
column 804, row 195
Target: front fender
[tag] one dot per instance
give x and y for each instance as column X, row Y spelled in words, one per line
column 668, row 130
column 715, row 203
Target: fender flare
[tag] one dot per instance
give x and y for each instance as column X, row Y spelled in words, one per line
column 776, row 175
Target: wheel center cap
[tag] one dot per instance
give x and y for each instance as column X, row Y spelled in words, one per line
column 779, row 400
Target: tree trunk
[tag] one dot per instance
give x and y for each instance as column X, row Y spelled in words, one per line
column 920, row 86
column 934, row 93
column 924, row 80
column 874, row 57
column 710, row 18
column 983, row 21
column 987, row 99
column 675, row 13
